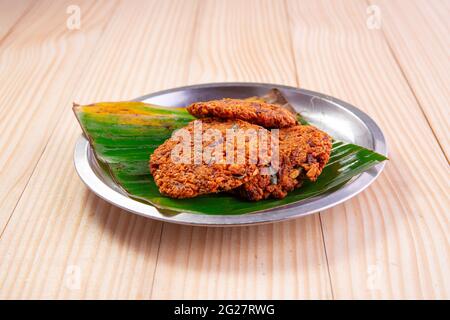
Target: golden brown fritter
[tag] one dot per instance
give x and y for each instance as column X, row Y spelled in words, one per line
column 199, row 173
column 254, row 111
column 304, row 151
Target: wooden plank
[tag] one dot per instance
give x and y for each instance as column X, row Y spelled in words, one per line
column 392, row 240
column 40, row 65
column 62, row 241
column 389, row 242
column 10, row 13
column 242, row 41
column 418, row 34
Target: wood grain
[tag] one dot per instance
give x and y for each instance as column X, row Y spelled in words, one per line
column 392, row 240
column 40, row 66
column 418, row 34
column 59, row 240
column 283, row 260
column 10, row 13
column 60, row 232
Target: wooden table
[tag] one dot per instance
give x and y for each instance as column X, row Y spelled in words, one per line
column 389, row 58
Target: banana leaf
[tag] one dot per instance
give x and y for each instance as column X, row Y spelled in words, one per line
column 123, row 135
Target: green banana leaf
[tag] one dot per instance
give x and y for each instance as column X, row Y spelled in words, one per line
column 125, row 134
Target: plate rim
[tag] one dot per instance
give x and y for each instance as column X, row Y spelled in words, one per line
column 349, row 190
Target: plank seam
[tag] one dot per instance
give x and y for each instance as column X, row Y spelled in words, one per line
column 191, row 55
column 405, row 77
column 23, row 190
column 297, row 80
column 19, row 19
column 417, row 99
column 157, row 259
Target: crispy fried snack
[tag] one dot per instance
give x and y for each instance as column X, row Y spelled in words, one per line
column 304, row 151
column 207, row 171
column 257, row 112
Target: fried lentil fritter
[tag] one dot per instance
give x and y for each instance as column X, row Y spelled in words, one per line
column 204, row 174
column 257, row 112
column 304, row 151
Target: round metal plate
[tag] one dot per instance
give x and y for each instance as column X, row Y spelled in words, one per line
column 340, row 119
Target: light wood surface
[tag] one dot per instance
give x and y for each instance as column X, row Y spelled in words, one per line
column 58, row 240
column 419, row 41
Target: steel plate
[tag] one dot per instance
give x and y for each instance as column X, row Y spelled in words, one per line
column 340, row 119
